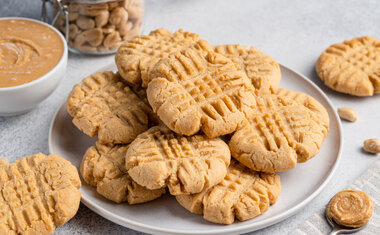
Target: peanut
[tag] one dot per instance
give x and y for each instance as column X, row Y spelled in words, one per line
column 73, row 16
column 134, row 12
column 118, row 15
column 123, row 29
column 91, row 36
column 372, row 146
column 112, row 40
column 109, row 28
column 73, row 31
column 348, row 114
column 102, row 18
column 85, row 22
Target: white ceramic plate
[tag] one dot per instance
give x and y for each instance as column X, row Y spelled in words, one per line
column 166, row 216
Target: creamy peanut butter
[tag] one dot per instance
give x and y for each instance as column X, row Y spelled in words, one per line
column 28, row 50
column 350, row 208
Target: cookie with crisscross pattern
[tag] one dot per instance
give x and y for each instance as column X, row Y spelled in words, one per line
column 37, row 193
column 102, row 105
column 263, row 71
column 243, row 194
column 279, row 133
column 197, row 89
column 136, row 57
column 307, row 101
column 103, row 167
column 352, row 67
column 159, row 157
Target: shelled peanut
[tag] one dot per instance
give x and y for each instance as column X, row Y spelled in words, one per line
column 102, row 27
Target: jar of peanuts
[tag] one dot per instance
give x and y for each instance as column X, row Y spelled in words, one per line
column 98, row 26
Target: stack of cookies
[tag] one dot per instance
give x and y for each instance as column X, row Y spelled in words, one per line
column 209, row 123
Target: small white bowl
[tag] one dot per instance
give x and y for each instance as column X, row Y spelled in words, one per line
column 23, row 98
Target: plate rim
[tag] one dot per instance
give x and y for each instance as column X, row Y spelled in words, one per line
column 126, row 222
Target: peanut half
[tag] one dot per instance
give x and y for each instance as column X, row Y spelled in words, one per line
column 372, row 146
column 348, row 114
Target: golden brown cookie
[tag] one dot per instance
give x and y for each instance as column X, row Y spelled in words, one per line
column 102, row 105
column 307, row 101
column 103, row 167
column 197, row 89
column 279, row 133
column 243, row 194
column 264, row 72
column 158, row 158
column 38, row 192
column 350, row 208
column 136, row 57
column 352, row 67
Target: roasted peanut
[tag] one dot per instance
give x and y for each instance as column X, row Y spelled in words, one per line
column 123, row 29
column 118, row 15
column 73, row 31
column 348, row 114
column 92, row 36
column 109, row 28
column 73, row 16
column 102, row 18
column 372, row 146
column 85, row 22
column 112, row 40
column 134, row 12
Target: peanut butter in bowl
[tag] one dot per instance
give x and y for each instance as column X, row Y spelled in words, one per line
column 28, row 50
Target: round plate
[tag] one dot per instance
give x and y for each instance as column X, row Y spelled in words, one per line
column 166, row 216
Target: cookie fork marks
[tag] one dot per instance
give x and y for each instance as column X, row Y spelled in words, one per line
column 243, row 194
column 103, row 166
column 197, row 89
column 279, row 133
column 159, row 158
column 37, row 193
column 102, row 105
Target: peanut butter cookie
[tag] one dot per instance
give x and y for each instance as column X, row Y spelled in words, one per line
column 307, row 101
column 196, row 89
column 350, row 208
column 279, row 133
column 243, row 194
column 38, row 192
column 103, row 167
column 352, row 67
column 263, row 71
column 158, row 158
column 102, row 105
column 136, row 57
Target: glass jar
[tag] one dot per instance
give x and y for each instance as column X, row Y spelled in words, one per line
column 98, row 26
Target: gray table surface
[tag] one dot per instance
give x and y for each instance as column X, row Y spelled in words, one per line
column 293, row 32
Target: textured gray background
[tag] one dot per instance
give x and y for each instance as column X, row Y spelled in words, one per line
column 293, row 32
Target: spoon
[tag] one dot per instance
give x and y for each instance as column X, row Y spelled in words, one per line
column 338, row 229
